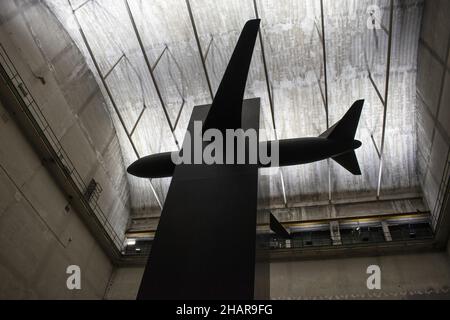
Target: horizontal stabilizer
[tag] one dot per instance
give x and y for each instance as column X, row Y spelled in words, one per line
column 348, row 161
column 345, row 129
column 278, row 228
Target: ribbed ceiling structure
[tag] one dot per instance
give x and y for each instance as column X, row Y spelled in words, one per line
column 312, row 61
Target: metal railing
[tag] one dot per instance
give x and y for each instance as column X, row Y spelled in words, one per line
column 355, row 236
column 372, row 234
column 47, row 134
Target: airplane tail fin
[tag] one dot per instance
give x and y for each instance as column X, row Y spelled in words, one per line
column 344, row 130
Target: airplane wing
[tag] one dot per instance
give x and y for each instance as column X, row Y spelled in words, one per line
column 226, row 109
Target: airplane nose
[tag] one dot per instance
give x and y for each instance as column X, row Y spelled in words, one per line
column 134, row 168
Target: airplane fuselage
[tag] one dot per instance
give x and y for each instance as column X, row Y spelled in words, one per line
column 291, row 152
column 307, row 150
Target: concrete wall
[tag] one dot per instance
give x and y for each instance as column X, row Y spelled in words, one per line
column 433, row 100
column 38, row 238
column 448, row 247
column 125, row 283
column 70, row 99
column 402, row 277
column 411, row 276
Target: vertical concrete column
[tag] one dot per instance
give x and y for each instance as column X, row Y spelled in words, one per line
column 386, row 232
column 335, row 233
column 288, row 243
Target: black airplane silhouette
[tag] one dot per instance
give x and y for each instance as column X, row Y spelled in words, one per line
column 205, row 246
column 337, row 142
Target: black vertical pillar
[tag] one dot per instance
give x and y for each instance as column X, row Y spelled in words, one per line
column 205, row 244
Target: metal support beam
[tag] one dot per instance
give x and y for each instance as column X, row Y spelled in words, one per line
column 322, row 95
column 138, row 119
column 159, row 58
column 386, row 232
column 384, row 29
column 283, row 187
column 266, row 73
column 149, row 67
column 208, row 48
column 375, row 145
column 80, row 6
column 200, row 51
column 269, row 92
column 114, row 66
column 317, row 29
column 330, row 195
column 155, row 194
column 386, row 92
column 325, row 94
column 179, row 114
column 376, row 89
column 324, row 53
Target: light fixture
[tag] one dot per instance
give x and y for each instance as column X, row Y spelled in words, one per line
column 131, row 242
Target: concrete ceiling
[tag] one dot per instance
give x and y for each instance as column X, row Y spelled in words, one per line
column 295, row 73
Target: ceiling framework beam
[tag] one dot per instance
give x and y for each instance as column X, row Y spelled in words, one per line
column 108, row 92
column 375, row 145
column 150, row 70
column 179, row 114
column 324, row 93
column 269, row 92
column 103, row 80
column 159, row 58
column 181, row 92
column 199, row 47
column 138, row 120
column 80, row 6
column 376, row 88
column 386, row 95
column 283, row 187
column 266, row 73
column 317, row 29
column 376, row 18
column 114, row 66
column 384, row 29
column 324, row 54
column 208, row 48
